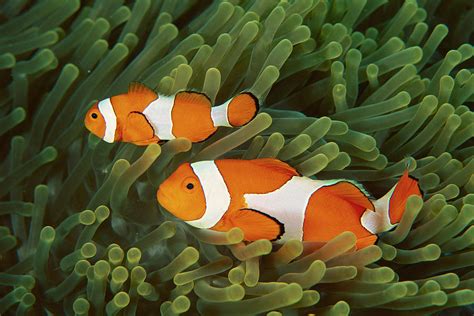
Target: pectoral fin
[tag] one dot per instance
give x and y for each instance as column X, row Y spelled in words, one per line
column 138, row 130
column 257, row 225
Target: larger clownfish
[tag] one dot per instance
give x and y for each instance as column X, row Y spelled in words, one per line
column 142, row 117
column 268, row 199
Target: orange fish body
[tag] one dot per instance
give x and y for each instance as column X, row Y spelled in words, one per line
column 142, row 117
column 268, row 199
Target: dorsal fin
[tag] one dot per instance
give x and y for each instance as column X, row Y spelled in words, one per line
column 276, row 165
column 138, row 88
column 191, row 97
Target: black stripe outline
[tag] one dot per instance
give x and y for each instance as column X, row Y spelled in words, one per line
column 418, row 184
column 144, row 116
column 280, row 224
column 257, row 106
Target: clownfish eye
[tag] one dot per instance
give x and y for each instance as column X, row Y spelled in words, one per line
column 94, row 115
column 189, row 184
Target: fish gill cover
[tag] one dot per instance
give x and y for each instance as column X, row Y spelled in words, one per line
column 357, row 89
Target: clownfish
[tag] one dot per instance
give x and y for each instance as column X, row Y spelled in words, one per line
column 142, row 117
column 268, row 199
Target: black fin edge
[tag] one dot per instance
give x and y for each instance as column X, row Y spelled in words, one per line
column 280, row 224
column 197, row 92
column 138, row 112
column 417, row 183
column 257, row 106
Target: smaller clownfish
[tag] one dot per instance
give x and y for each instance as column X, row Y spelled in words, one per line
column 142, row 117
column 268, row 199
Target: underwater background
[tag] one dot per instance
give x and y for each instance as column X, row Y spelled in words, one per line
column 355, row 89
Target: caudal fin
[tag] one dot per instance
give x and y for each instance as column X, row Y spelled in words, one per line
column 389, row 208
column 236, row 112
column 405, row 187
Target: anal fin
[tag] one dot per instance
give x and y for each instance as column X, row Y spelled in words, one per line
column 257, row 225
column 154, row 140
column 366, row 241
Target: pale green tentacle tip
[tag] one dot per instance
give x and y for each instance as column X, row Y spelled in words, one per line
column 121, row 299
column 152, row 150
column 462, row 297
column 138, row 274
column 236, row 275
column 133, row 257
column 264, row 81
column 102, row 213
column 28, row 300
column 438, row 298
column 180, row 304
column 340, row 308
column 453, row 57
column 71, row 69
column 333, row 50
column 49, row 154
column 448, row 280
column 28, row 281
column 81, row 267
column 87, row 217
column 18, row 115
column 102, row 268
column 235, row 235
column 7, row 60
column 235, row 292
column 120, row 274
column 441, row 30
column 412, row 287
column 81, row 306
column 115, row 255
column 47, row 234
column 353, row 56
column 88, row 250
column 190, row 254
column 19, row 292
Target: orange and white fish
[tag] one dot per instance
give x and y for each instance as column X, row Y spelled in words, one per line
column 141, row 116
column 268, row 199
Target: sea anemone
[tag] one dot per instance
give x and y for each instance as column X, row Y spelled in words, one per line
column 356, row 89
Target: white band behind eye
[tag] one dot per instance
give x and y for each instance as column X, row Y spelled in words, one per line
column 219, row 114
column 107, row 111
column 216, row 195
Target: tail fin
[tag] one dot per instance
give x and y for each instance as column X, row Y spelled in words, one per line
column 405, row 187
column 236, row 112
column 389, row 208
